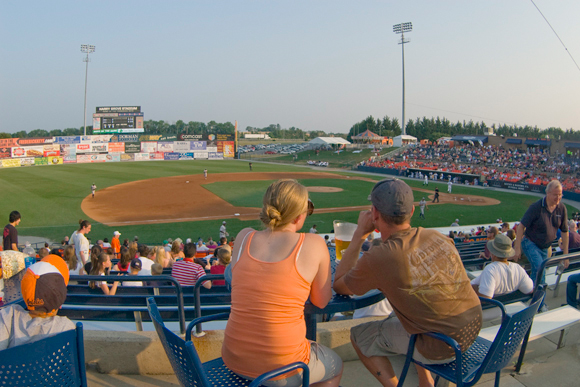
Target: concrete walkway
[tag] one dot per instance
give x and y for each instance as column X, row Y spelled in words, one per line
column 544, row 365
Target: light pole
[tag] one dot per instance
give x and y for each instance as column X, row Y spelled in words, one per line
column 86, row 48
column 401, row 29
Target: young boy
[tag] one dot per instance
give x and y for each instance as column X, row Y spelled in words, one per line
column 43, row 288
column 134, row 269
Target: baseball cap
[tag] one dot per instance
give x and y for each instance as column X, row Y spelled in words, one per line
column 117, row 233
column 136, row 264
column 392, row 197
column 43, row 286
column 224, row 222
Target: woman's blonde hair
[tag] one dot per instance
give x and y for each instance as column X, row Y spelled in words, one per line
column 283, row 202
column 70, row 257
column 159, row 255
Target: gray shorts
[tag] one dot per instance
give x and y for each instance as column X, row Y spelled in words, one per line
column 324, row 364
column 386, row 338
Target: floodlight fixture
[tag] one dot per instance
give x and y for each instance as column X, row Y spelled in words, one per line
column 401, row 29
column 88, row 49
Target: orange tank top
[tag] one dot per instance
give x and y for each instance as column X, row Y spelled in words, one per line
column 266, row 328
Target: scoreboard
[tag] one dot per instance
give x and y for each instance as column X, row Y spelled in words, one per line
column 118, row 119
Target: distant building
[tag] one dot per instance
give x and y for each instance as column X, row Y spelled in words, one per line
column 257, row 136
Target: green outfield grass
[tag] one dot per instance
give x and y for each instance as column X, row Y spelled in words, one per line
column 49, row 198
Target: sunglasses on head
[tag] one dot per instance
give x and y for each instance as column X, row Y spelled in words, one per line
column 310, row 210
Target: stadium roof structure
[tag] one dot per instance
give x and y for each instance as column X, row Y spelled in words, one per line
column 367, row 135
column 329, row 141
column 467, row 138
column 539, row 142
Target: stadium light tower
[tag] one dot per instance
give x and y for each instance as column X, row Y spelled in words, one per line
column 86, row 48
column 401, row 29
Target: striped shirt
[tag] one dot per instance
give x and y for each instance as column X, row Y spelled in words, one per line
column 187, row 272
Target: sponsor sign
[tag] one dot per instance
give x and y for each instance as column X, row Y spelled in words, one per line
column 118, row 109
column 168, row 138
column 516, row 186
column 96, row 124
column 211, row 148
column 116, row 147
column 83, row 148
column 28, row 151
column 5, row 153
column 41, row 161
column 190, row 137
column 164, row 147
column 148, row 147
column 100, row 158
column 51, row 147
column 113, row 158
column 67, row 140
column 10, row 163
column 35, row 141
column 226, row 147
column 69, row 159
column 55, row 160
column 201, row 155
column 171, row 156
column 127, row 157
column 215, row 156
column 99, row 148
column 181, row 146
column 223, row 137
column 127, row 138
column 186, row 156
column 197, row 145
column 96, row 139
column 156, row 156
column 81, row 159
column 27, row 161
column 101, row 115
column 132, row 147
column 141, row 156
column 8, row 142
column 52, row 153
column 149, row 137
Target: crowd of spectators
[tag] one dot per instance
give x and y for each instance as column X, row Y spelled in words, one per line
column 534, row 166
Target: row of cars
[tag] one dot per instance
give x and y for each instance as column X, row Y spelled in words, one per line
column 272, row 149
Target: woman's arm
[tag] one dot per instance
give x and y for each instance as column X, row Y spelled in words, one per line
column 320, row 291
column 109, row 292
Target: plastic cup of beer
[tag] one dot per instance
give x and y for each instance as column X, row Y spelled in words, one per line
column 343, row 232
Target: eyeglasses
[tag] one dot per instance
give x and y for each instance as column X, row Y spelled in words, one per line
column 310, row 210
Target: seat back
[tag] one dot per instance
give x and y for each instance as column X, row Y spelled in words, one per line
column 57, row 360
column 510, row 335
column 182, row 355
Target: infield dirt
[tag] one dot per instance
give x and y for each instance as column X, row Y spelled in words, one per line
column 172, row 199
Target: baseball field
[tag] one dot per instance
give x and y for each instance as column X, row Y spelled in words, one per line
column 157, row 200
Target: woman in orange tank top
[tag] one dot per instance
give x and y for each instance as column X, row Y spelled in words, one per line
column 274, row 271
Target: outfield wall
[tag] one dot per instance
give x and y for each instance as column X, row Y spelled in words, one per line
column 19, row 152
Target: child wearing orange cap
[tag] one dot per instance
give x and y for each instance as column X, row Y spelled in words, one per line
column 43, row 288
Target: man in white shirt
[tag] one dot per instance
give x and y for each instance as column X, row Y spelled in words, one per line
column 313, row 229
column 501, row 276
column 146, row 262
column 223, row 232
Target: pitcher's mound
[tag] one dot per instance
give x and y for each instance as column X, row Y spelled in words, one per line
column 324, row 189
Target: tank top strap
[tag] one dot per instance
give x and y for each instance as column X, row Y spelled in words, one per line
column 298, row 247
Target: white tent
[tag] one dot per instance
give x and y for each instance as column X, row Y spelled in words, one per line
column 329, row 141
column 404, row 139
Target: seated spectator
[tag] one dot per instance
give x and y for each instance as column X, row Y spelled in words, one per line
column 327, row 240
column 201, row 247
column 500, row 276
column 136, row 267
column 96, row 250
column 124, row 260
column 157, row 269
column 232, row 240
column 211, row 243
column 101, row 266
column 223, row 241
column 176, row 252
column 205, row 262
column 162, row 257
column 187, row 272
column 573, row 236
column 224, row 257
column 133, row 250
column 491, row 235
column 43, row 288
column 504, row 227
column 146, row 260
column 106, row 243
column 74, row 266
column 42, row 252
column 511, row 234
column 126, row 242
column 572, row 290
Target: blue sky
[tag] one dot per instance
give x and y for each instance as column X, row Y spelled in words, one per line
column 316, row 65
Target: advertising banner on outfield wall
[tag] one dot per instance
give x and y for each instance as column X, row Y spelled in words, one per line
column 215, row 156
column 186, row 156
column 83, row 148
column 5, row 153
column 41, row 161
column 211, row 148
column 181, row 146
column 127, row 157
column 116, row 147
column 8, row 142
column 516, row 186
column 27, row 161
column 67, row 140
column 190, row 137
column 35, row 141
column 100, row 158
column 81, row 159
column 226, row 147
column 149, row 137
column 156, row 156
column 28, row 151
column 197, row 145
column 141, row 156
column 55, row 160
column 99, row 148
column 171, row 156
column 200, row 155
column 125, row 138
column 52, row 153
column 68, row 150
column 132, row 147
column 70, row 159
column 148, row 147
column 165, row 146
column 113, row 158
column 96, row 139
column 168, row 138
column 10, row 163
